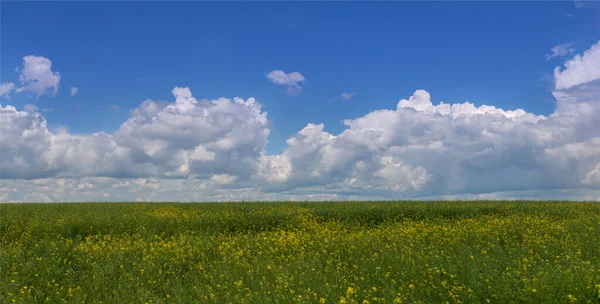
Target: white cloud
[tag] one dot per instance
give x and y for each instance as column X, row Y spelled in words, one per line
column 280, row 77
column 31, row 108
column 561, row 50
column 421, row 101
column 347, row 96
column 580, row 69
column 74, row 91
column 181, row 139
column 37, row 76
column 5, row 89
column 291, row 80
column 425, row 149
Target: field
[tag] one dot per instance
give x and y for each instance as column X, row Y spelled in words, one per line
column 342, row 252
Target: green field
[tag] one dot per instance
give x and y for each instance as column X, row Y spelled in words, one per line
column 329, row 252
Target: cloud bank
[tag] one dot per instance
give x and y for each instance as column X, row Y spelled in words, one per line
column 196, row 150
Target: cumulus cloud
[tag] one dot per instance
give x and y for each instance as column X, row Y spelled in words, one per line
column 560, row 50
column 291, row 81
column 424, row 149
column 5, row 89
column 74, row 91
column 181, row 139
column 37, row 76
column 580, row 69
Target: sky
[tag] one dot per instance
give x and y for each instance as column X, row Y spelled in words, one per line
column 220, row 101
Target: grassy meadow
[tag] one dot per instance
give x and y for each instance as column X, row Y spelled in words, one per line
column 329, row 252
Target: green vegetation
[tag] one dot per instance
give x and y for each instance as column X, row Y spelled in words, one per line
column 349, row 252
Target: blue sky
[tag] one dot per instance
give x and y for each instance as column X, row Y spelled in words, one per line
column 538, row 56
column 119, row 54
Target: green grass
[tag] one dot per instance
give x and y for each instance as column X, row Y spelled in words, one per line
column 426, row 252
